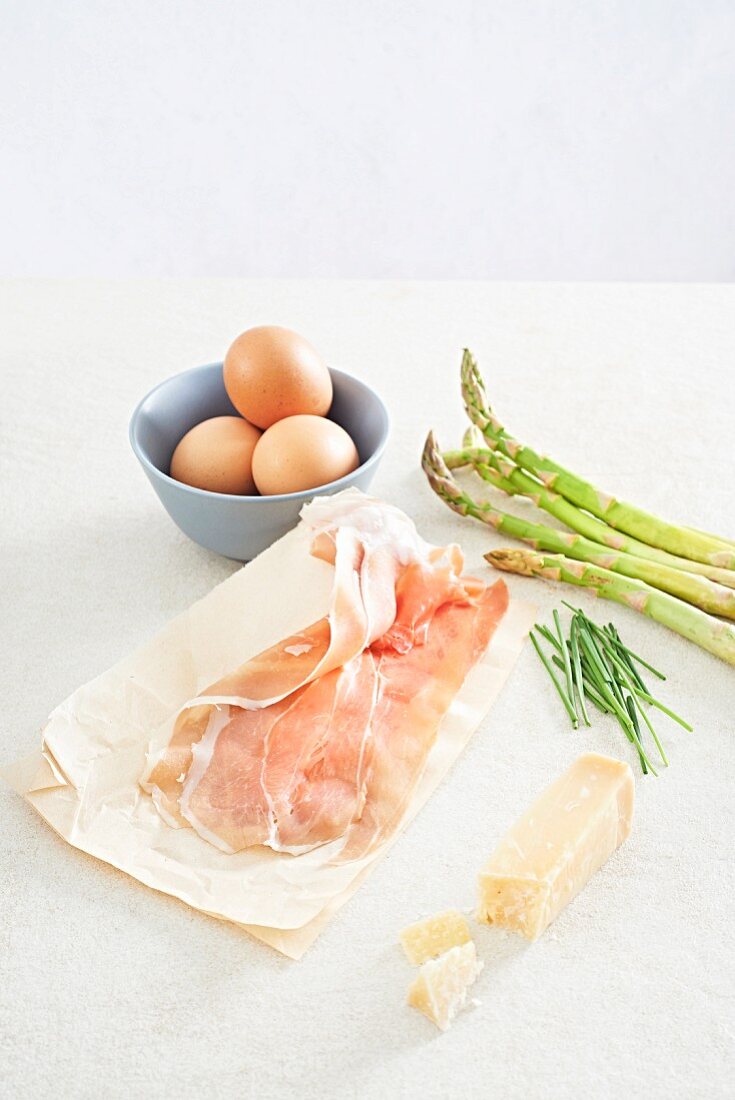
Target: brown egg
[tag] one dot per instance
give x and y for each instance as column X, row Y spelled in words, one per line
column 217, row 455
column 302, row 452
column 271, row 372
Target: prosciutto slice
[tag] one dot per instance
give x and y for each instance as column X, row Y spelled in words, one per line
column 292, row 775
column 369, row 544
column 417, row 688
column 324, row 736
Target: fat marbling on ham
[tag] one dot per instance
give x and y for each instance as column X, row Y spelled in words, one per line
column 324, row 736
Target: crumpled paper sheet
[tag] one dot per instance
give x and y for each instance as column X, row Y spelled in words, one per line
column 84, row 780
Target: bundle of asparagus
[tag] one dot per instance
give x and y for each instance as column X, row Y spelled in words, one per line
column 679, row 576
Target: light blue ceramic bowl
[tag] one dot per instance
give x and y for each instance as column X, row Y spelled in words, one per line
column 238, row 526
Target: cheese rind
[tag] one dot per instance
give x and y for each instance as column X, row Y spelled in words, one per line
column 440, row 988
column 553, row 850
column 433, row 936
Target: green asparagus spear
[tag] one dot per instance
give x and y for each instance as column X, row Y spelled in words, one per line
column 503, row 474
column 617, row 514
column 704, row 630
column 697, row 590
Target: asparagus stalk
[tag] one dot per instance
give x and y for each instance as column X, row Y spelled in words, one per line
column 720, row 538
column 617, row 514
column 704, row 630
column 505, row 475
column 694, row 589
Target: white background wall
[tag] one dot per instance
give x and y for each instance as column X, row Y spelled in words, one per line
column 449, row 138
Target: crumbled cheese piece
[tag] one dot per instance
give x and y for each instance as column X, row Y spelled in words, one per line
column 551, row 852
column 431, row 937
column 440, row 988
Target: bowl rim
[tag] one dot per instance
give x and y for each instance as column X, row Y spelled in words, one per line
column 275, row 498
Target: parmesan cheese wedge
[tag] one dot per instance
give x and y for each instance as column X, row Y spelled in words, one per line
column 551, row 852
column 440, row 989
column 431, row 937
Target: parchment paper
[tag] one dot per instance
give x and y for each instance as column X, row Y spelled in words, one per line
column 84, row 780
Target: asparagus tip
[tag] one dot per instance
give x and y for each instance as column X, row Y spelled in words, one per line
column 523, row 562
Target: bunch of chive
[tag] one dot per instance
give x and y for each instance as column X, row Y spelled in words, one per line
column 599, row 667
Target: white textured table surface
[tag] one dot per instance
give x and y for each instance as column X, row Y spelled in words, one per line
column 107, row 989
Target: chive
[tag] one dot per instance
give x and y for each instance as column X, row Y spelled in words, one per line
column 593, row 653
column 591, row 676
column 599, row 667
column 646, row 764
column 639, row 660
column 590, row 689
column 623, row 673
column 632, row 705
column 612, row 670
column 625, row 656
column 614, row 643
column 590, row 670
column 546, row 633
column 567, row 666
column 557, row 685
column 620, row 666
column 578, row 677
column 605, row 688
column 630, row 699
column 634, row 720
column 589, row 673
column 671, row 713
column 597, row 699
column 654, row 735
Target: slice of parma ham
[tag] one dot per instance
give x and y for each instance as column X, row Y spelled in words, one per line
column 324, row 736
column 369, row 544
